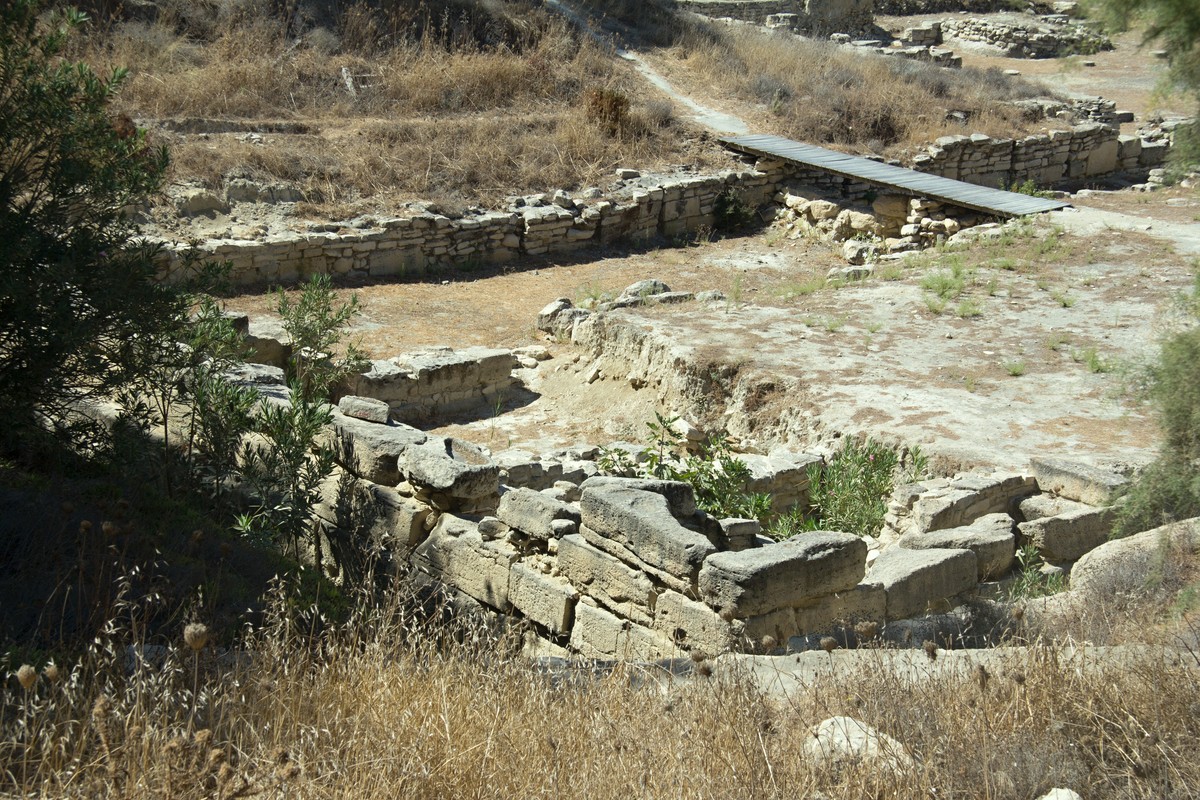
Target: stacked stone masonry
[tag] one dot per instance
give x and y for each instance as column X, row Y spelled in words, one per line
column 605, row 567
column 1053, row 38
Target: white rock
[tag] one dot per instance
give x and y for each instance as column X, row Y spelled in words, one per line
column 842, row 742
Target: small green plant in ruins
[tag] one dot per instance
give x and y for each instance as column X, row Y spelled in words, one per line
column 850, row 493
column 717, row 476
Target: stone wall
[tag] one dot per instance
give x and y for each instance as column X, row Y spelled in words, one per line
column 372, row 247
column 1085, row 151
column 607, row 568
column 815, row 16
column 1053, row 38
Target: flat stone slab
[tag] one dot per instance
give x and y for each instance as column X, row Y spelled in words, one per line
column 1076, row 481
column 600, row 634
column 365, row 408
column 782, row 575
column 990, row 537
column 534, row 513
column 916, row 580
column 642, row 522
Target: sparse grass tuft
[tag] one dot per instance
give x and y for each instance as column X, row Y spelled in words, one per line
column 1015, row 367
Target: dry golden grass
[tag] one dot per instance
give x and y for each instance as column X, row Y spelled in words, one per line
column 428, row 119
column 389, row 706
column 818, row 92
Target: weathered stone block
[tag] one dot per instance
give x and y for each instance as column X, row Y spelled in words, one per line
column 866, row 601
column 456, row 554
column 615, row 585
column 1068, row 536
column 642, row 522
column 1076, row 481
column 546, row 600
column 785, row 574
column 990, row 537
column 532, row 512
column 915, row 580
column 692, row 625
column 371, row 450
column 452, row 466
column 364, row 408
column 600, row 634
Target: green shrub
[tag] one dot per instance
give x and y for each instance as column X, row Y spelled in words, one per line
column 731, row 212
column 1169, row 488
column 850, row 494
column 716, row 475
column 77, row 293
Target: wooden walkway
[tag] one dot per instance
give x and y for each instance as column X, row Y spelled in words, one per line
column 920, row 184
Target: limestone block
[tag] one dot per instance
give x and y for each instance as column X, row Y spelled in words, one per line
column 615, row 585
column 394, row 521
column 1103, row 158
column 546, row 600
column 618, row 550
column 681, row 499
column 740, row 534
column 823, row 209
column 532, row 512
column 1129, row 566
column 641, row 521
column 452, row 466
column 371, row 450
column 866, row 601
column 456, row 554
column 967, row 498
column 765, row 632
column 600, row 634
column 890, row 206
column 782, row 474
column 1066, row 537
column 915, row 580
column 692, row 625
column 1047, row 505
column 364, row 408
column 1076, row 481
column 269, row 343
column 990, row 537
column 846, row 744
column 784, row 574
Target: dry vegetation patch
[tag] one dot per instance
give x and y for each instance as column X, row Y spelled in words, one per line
column 476, row 103
column 385, row 705
column 819, row 92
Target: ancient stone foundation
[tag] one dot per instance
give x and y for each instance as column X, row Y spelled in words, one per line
column 605, row 567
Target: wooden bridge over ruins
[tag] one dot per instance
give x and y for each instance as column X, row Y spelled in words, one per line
column 920, row 184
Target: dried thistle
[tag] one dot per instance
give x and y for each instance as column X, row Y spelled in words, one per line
column 727, row 614
column 195, row 636
column 931, row 649
column 698, row 655
column 982, row 677
column 108, row 528
column 867, row 630
column 85, row 527
column 704, row 669
column 52, row 672
column 27, row 677
column 768, row 642
column 828, row 644
column 1018, row 613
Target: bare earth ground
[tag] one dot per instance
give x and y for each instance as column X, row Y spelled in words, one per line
column 1038, row 354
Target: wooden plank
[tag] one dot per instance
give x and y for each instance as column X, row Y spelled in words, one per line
column 961, row 193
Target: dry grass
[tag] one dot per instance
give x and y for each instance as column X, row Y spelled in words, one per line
column 432, row 117
column 387, row 705
column 819, row 92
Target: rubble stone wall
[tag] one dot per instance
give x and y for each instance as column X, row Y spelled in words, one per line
column 671, row 207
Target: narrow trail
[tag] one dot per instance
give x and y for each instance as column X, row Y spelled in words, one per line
column 706, row 117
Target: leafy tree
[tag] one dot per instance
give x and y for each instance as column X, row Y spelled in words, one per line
column 1175, row 26
column 76, row 291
